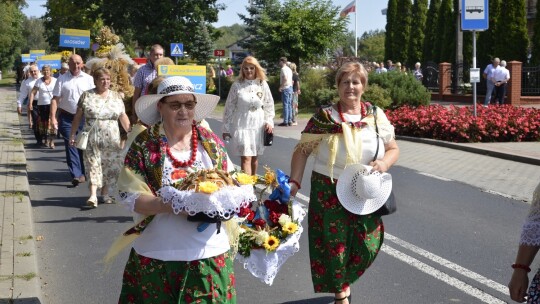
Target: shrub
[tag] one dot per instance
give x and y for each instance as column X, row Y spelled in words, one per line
column 377, row 96
column 404, row 89
column 325, row 97
column 492, row 124
column 312, row 83
column 226, row 84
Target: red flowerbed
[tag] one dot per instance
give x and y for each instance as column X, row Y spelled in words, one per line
column 457, row 124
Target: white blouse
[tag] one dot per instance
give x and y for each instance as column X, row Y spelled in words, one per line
column 44, row 91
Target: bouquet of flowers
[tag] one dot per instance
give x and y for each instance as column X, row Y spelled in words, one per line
column 270, row 231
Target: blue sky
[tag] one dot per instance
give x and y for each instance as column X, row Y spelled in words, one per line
column 369, row 13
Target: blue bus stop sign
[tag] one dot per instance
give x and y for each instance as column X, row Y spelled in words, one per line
column 474, row 15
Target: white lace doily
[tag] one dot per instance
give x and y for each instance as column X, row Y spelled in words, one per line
column 265, row 266
column 223, row 202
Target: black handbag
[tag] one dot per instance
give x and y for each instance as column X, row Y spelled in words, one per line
column 389, row 206
column 268, row 138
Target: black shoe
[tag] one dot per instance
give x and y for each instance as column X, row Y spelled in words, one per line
column 75, row 182
column 283, row 124
column 289, row 124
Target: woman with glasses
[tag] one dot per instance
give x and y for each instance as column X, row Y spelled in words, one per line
column 249, row 114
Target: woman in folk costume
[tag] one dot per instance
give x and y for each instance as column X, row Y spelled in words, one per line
column 175, row 258
column 342, row 245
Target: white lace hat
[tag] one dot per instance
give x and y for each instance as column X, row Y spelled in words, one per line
column 146, row 106
column 361, row 191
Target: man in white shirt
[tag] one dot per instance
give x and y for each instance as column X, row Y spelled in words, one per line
column 69, row 87
column 380, row 69
column 286, row 89
column 499, row 78
column 487, row 76
column 24, row 95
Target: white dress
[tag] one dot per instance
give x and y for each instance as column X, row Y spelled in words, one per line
column 248, row 108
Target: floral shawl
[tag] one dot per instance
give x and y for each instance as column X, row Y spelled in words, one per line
column 322, row 126
column 143, row 171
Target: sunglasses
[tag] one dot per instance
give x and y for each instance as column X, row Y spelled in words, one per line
column 175, row 106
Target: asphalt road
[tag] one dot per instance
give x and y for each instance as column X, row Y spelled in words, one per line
column 449, row 242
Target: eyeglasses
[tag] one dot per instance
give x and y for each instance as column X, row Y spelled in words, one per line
column 248, row 68
column 175, row 106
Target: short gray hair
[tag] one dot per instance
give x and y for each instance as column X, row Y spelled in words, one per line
column 503, row 63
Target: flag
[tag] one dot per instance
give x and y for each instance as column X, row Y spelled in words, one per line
column 350, row 8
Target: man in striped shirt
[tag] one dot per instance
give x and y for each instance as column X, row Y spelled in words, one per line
column 145, row 75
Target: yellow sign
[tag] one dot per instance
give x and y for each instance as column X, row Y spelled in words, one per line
column 50, row 57
column 37, row 51
column 182, row 70
column 74, row 32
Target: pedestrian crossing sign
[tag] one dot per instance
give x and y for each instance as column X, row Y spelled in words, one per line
column 177, row 49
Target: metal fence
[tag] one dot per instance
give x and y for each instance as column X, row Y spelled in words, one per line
column 530, row 81
column 431, row 76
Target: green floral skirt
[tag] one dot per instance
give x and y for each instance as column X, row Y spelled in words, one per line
column 149, row 280
column 342, row 245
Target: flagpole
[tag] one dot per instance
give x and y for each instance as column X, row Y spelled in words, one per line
column 355, row 28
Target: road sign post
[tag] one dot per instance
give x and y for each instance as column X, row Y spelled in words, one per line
column 219, row 54
column 177, row 50
column 474, row 17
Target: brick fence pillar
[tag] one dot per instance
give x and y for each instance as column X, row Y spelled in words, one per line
column 513, row 93
column 445, row 80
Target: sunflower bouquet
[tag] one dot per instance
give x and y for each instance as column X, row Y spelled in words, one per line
column 270, row 230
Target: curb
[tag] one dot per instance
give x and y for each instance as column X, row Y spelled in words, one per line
column 19, row 279
column 477, row 150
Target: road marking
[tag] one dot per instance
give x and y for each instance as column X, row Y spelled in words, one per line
column 439, row 275
column 436, row 176
column 452, row 281
column 446, row 263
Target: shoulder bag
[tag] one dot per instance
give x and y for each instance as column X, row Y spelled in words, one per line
column 81, row 141
column 389, row 206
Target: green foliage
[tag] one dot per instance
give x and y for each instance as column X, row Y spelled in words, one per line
column 445, row 47
column 11, row 40
column 403, row 88
column 324, row 97
column 511, row 38
column 485, row 46
column 225, row 84
column 298, row 29
column 163, row 22
column 230, row 34
column 400, row 38
column 418, row 27
column 535, row 59
column 431, row 31
column 391, row 14
column 34, row 34
column 378, row 96
column 371, row 46
column 312, row 81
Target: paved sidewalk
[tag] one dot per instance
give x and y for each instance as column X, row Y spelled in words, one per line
column 19, row 281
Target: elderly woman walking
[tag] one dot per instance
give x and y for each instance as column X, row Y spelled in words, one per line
column 172, row 259
column 42, row 92
column 342, row 243
column 101, row 109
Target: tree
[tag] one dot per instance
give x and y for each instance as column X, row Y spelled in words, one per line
column 34, row 35
column 300, row 29
column 418, row 27
column 486, row 39
column 371, row 46
column 391, row 13
column 431, row 31
column 11, row 39
column 81, row 14
column 535, row 48
column 445, row 45
column 511, row 40
column 230, row 35
column 402, row 31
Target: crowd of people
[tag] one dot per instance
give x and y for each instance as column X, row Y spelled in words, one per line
column 168, row 139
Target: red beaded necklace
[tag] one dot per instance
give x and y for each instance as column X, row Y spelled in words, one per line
column 362, row 111
column 187, row 163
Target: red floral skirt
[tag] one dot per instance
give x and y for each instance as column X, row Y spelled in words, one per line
column 342, row 245
column 149, row 280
